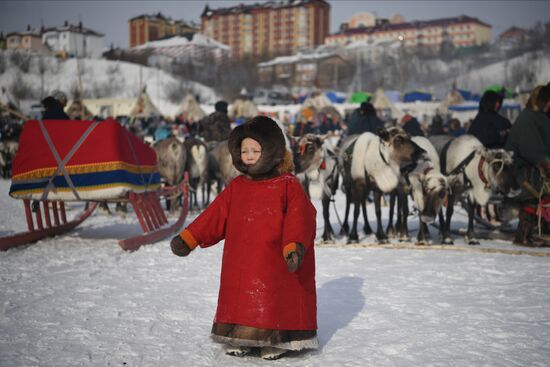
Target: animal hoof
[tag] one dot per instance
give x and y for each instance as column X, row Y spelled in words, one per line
column 473, row 242
column 350, row 241
column 383, row 241
column 448, row 241
column 404, row 239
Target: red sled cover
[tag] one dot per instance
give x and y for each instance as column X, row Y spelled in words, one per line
column 81, row 160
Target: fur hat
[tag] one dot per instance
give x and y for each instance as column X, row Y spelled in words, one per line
column 221, row 106
column 59, row 96
column 270, row 136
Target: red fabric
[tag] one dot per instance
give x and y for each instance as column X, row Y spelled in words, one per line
column 106, row 143
column 257, row 219
column 536, row 210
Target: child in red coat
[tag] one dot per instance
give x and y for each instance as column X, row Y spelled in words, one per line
column 267, row 296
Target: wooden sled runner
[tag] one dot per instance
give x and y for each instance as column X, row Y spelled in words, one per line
column 88, row 161
column 49, row 219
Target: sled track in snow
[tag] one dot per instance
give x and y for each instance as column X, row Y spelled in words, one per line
column 411, row 246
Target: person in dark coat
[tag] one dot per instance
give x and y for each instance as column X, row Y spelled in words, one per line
column 489, row 126
column 455, row 128
column 364, row 119
column 53, row 109
column 216, row 126
column 437, row 128
column 411, row 125
column 529, row 139
column 305, row 124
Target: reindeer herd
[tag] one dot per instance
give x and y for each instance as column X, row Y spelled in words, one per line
column 366, row 167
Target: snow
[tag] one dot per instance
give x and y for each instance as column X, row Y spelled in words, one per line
column 104, row 79
column 198, row 39
column 80, row 300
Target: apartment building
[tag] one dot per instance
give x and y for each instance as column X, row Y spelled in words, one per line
column 462, row 31
column 268, row 29
column 146, row 28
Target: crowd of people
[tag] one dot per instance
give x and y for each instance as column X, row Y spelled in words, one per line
column 528, row 137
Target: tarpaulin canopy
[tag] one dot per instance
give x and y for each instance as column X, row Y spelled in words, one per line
column 81, row 160
column 417, row 96
column 359, row 97
column 499, row 89
column 334, row 97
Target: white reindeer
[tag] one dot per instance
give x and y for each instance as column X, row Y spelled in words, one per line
column 476, row 172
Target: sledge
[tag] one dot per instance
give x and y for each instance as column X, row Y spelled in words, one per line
column 88, row 161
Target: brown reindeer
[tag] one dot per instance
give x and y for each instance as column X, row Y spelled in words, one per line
column 220, row 166
column 171, row 161
column 197, row 166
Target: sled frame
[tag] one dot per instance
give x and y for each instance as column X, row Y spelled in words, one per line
column 47, row 218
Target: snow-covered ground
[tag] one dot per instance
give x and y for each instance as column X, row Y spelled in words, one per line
column 79, row 300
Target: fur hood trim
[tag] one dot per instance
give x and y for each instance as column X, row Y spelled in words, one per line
column 273, row 161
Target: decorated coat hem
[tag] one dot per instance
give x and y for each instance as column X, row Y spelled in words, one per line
column 294, row 345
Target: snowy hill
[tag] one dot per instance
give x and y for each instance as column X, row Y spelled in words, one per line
column 523, row 72
column 98, row 79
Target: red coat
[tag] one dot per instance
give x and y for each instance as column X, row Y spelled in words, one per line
column 257, row 219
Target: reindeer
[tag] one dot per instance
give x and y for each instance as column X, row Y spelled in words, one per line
column 8, row 150
column 316, row 166
column 171, row 161
column 220, row 165
column 371, row 162
column 476, row 172
column 426, row 184
column 197, row 166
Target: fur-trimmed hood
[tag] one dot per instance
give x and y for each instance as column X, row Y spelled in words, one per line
column 275, row 158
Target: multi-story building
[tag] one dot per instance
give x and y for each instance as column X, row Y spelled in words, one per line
column 146, row 28
column 462, row 31
column 268, row 29
column 74, row 40
column 30, row 40
column 319, row 69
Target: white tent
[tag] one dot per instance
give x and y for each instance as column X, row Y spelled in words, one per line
column 452, row 99
column 317, row 101
column 382, row 103
column 243, row 108
column 190, row 109
column 144, row 107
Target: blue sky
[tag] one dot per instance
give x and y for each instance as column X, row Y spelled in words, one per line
column 111, row 17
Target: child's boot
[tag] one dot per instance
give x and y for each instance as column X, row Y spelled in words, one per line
column 232, row 350
column 272, row 353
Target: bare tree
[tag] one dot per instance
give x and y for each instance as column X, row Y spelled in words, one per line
column 22, row 60
column 19, row 89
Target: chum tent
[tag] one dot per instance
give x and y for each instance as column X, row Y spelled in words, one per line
column 144, row 107
column 243, row 108
column 190, row 109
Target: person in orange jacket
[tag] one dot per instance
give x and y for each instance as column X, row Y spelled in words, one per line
column 267, row 296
